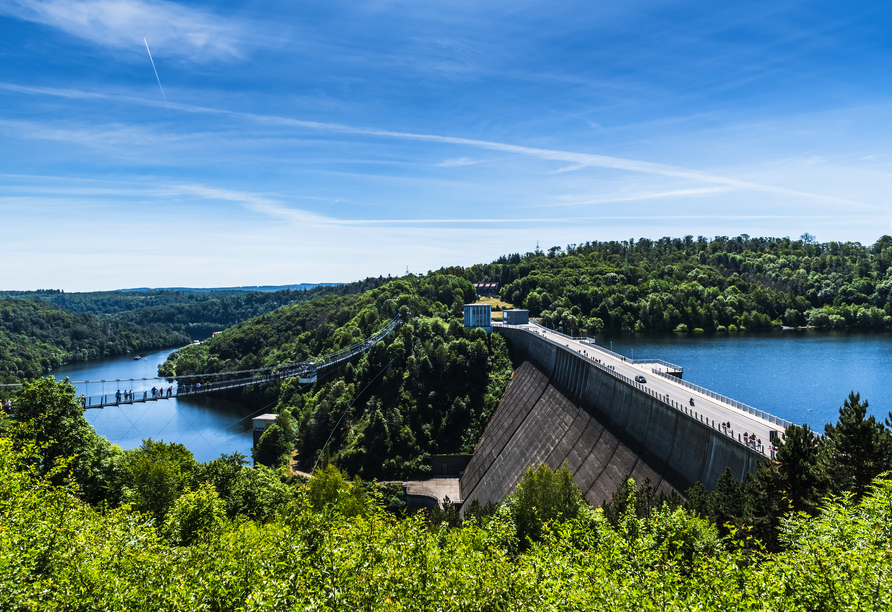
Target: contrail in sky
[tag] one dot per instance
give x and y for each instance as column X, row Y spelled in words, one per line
column 156, row 74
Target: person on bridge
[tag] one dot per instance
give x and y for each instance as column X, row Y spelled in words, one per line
column 154, row 392
column 118, row 396
column 170, row 391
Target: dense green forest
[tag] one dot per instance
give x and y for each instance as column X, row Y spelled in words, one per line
column 438, row 385
column 428, row 388
column 197, row 313
column 87, row 526
column 41, row 330
column 114, row 302
column 36, row 337
column 698, row 283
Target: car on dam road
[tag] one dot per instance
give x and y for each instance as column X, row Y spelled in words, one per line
column 640, row 379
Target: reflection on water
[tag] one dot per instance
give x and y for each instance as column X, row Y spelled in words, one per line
column 801, row 376
column 207, row 425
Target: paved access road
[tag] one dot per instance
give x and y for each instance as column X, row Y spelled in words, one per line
column 712, row 409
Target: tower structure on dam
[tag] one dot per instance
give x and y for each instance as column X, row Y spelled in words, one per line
column 567, row 404
column 478, row 315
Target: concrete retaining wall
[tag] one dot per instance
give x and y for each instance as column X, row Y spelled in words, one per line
column 559, row 407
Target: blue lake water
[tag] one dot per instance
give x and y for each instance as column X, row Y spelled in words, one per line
column 801, row 376
column 207, row 425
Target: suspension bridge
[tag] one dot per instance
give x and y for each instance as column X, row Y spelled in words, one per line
column 120, row 392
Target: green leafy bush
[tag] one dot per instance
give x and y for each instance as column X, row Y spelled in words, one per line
column 194, row 513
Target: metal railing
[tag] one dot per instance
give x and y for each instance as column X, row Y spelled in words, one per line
column 591, row 342
column 726, row 400
column 672, row 367
column 255, row 376
column 760, row 449
column 120, row 398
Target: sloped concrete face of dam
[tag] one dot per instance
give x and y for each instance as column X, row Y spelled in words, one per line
column 559, row 407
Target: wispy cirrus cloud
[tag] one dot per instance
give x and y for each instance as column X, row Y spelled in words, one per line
column 172, row 29
column 634, row 197
column 100, row 136
column 256, row 202
column 576, row 160
column 458, row 161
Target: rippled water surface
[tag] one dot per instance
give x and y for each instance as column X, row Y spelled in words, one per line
column 802, row 376
column 206, row 425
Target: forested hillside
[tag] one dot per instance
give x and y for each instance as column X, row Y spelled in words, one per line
column 197, row 313
column 87, row 526
column 672, row 284
column 718, row 284
column 114, row 302
column 428, row 388
column 36, row 336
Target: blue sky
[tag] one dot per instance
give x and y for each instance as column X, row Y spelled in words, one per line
column 329, row 141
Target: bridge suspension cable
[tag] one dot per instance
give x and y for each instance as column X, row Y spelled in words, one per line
column 305, row 370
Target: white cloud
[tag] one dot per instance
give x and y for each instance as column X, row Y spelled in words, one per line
column 644, row 195
column 256, row 202
column 571, row 168
column 107, row 136
column 170, row 28
column 577, row 160
column 458, row 161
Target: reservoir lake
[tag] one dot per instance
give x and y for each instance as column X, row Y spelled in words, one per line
column 207, row 425
column 801, row 376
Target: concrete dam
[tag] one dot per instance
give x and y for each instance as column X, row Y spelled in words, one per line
column 565, row 405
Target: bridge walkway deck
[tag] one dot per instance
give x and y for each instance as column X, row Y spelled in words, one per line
column 306, row 372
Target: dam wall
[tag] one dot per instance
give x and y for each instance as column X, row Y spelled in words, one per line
column 560, row 406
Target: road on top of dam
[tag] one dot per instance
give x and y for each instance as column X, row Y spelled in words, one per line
column 741, row 421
